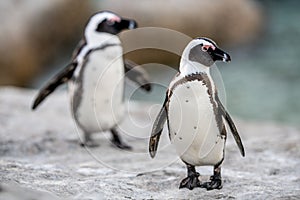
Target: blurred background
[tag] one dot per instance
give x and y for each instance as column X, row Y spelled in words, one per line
column 262, row 81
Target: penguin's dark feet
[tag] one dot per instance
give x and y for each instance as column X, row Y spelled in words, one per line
column 214, row 183
column 147, row 87
column 90, row 143
column 121, row 145
column 116, row 140
column 190, row 182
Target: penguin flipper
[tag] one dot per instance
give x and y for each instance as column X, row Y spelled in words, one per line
column 137, row 75
column 232, row 127
column 78, row 48
column 157, row 129
column 62, row 77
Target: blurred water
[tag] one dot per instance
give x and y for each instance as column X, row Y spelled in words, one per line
column 263, row 81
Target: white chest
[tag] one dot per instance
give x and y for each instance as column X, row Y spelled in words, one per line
column 101, row 84
column 192, row 124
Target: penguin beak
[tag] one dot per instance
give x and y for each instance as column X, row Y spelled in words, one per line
column 220, row 55
column 128, row 24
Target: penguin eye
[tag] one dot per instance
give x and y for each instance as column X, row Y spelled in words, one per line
column 205, row 48
column 110, row 22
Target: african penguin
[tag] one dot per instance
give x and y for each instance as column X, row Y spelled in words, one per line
column 195, row 115
column 95, row 77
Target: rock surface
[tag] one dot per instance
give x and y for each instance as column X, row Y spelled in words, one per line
column 40, row 158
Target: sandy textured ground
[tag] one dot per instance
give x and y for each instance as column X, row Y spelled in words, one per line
column 40, row 158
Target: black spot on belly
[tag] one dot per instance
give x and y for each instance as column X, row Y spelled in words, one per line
column 195, row 127
column 187, row 101
column 203, row 77
column 180, row 138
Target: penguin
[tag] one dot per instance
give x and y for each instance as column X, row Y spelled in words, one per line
column 195, row 115
column 95, row 78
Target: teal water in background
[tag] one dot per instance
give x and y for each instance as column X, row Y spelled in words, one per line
column 262, row 81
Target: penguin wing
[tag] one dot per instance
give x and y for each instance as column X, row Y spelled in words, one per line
column 157, row 128
column 78, row 48
column 62, row 77
column 137, row 75
column 232, row 126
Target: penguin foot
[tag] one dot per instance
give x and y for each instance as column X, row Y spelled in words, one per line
column 116, row 140
column 214, row 183
column 121, row 145
column 90, row 143
column 147, row 87
column 190, row 182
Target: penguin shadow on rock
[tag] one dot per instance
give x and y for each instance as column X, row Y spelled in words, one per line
column 195, row 115
column 95, row 78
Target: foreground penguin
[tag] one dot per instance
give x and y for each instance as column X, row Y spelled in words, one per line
column 95, row 77
column 195, row 115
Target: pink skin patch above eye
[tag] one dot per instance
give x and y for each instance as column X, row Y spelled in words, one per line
column 115, row 19
column 206, row 47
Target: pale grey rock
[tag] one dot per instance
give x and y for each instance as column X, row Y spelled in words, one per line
column 14, row 192
column 39, row 151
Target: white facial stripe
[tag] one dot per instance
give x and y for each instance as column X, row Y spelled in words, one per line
column 90, row 30
column 98, row 18
column 206, row 43
column 188, row 67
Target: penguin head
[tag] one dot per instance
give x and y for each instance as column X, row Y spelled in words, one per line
column 107, row 22
column 205, row 51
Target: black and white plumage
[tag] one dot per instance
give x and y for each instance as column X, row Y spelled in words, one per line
column 95, row 77
column 195, row 115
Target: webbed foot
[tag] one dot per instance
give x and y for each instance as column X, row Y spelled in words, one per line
column 190, row 182
column 88, row 141
column 121, row 145
column 214, row 183
column 116, row 140
column 215, row 180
